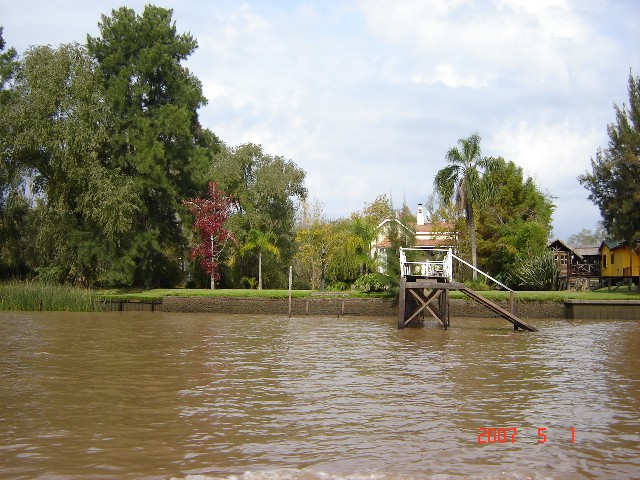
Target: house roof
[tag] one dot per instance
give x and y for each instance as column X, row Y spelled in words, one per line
column 558, row 244
column 561, row 245
column 439, row 227
column 433, row 242
column 612, row 245
column 389, row 220
column 428, row 235
column 587, row 251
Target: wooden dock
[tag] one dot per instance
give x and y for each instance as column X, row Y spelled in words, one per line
column 425, row 287
column 432, row 296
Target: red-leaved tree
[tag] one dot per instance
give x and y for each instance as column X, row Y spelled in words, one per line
column 211, row 214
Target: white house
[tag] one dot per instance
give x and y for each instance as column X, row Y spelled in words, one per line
column 420, row 234
column 435, row 234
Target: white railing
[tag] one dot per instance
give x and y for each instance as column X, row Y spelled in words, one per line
column 438, row 263
column 430, row 262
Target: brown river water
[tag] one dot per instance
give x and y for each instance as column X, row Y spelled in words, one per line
column 245, row 397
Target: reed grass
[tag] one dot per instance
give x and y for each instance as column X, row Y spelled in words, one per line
column 32, row 295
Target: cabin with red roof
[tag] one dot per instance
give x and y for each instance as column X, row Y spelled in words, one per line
column 420, row 234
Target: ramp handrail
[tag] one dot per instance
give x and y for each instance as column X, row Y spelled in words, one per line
column 511, row 292
column 442, row 268
column 481, row 272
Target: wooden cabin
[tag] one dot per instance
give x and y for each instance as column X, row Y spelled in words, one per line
column 618, row 259
column 579, row 266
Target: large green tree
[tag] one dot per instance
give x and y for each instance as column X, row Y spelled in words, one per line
column 313, row 233
column 268, row 190
column 347, row 251
column 8, row 66
column 13, row 204
column 109, row 134
column 461, row 181
column 155, row 138
column 60, row 122
column 514, row 221
column 614, row 180
column 378, row 210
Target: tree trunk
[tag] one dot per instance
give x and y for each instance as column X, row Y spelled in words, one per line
column 471, row 222
column 213, row 280
column 259, row 269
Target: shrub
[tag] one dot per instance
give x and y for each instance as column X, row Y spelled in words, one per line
column 372, row 282
column 338, row 286
column 479, row 285
column 538, row 271
column 251, row 282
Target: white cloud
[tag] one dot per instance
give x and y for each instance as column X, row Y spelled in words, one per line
column 513, row 41
column 554, row 154
column 447, row 75
column 368, row 95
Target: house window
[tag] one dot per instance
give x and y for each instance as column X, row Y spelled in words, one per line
column 604, row 261
column 612, row 257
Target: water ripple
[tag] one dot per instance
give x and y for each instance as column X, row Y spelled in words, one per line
column 157, row 396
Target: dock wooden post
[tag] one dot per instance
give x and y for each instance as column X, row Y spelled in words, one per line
column 402, row 303
column 511, row 304
column 443, row 307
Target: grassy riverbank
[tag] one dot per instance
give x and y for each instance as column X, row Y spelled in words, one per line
column 47, row 297
column 42, row 296
column 557, row 296
column 158, row 293
column 551, row 296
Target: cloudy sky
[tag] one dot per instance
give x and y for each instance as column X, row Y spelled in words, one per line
column 367, row 96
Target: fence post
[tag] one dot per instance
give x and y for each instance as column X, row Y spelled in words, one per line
column 511, row 302
column 290, row 285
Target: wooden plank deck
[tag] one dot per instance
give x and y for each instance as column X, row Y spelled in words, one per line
column 413, row 301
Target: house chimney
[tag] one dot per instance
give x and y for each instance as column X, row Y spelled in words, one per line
column 420, row 215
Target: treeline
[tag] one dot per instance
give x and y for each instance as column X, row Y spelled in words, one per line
column 100, row 144
column 102, row 147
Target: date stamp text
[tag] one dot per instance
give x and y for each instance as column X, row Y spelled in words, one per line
column 510, row 434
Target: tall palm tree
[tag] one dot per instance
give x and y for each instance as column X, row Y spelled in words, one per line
column 461, row 178
column 263, row 241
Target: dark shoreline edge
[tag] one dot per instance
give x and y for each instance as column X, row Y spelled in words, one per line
column 371, row 307
column 380, row 307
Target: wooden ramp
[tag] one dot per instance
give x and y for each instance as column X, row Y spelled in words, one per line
column 517, row 323
column 417, row 296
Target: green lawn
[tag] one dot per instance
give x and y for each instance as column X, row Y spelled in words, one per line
column 39, row 296
column 555, row 296
column 158, row 293
column 559, row 296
